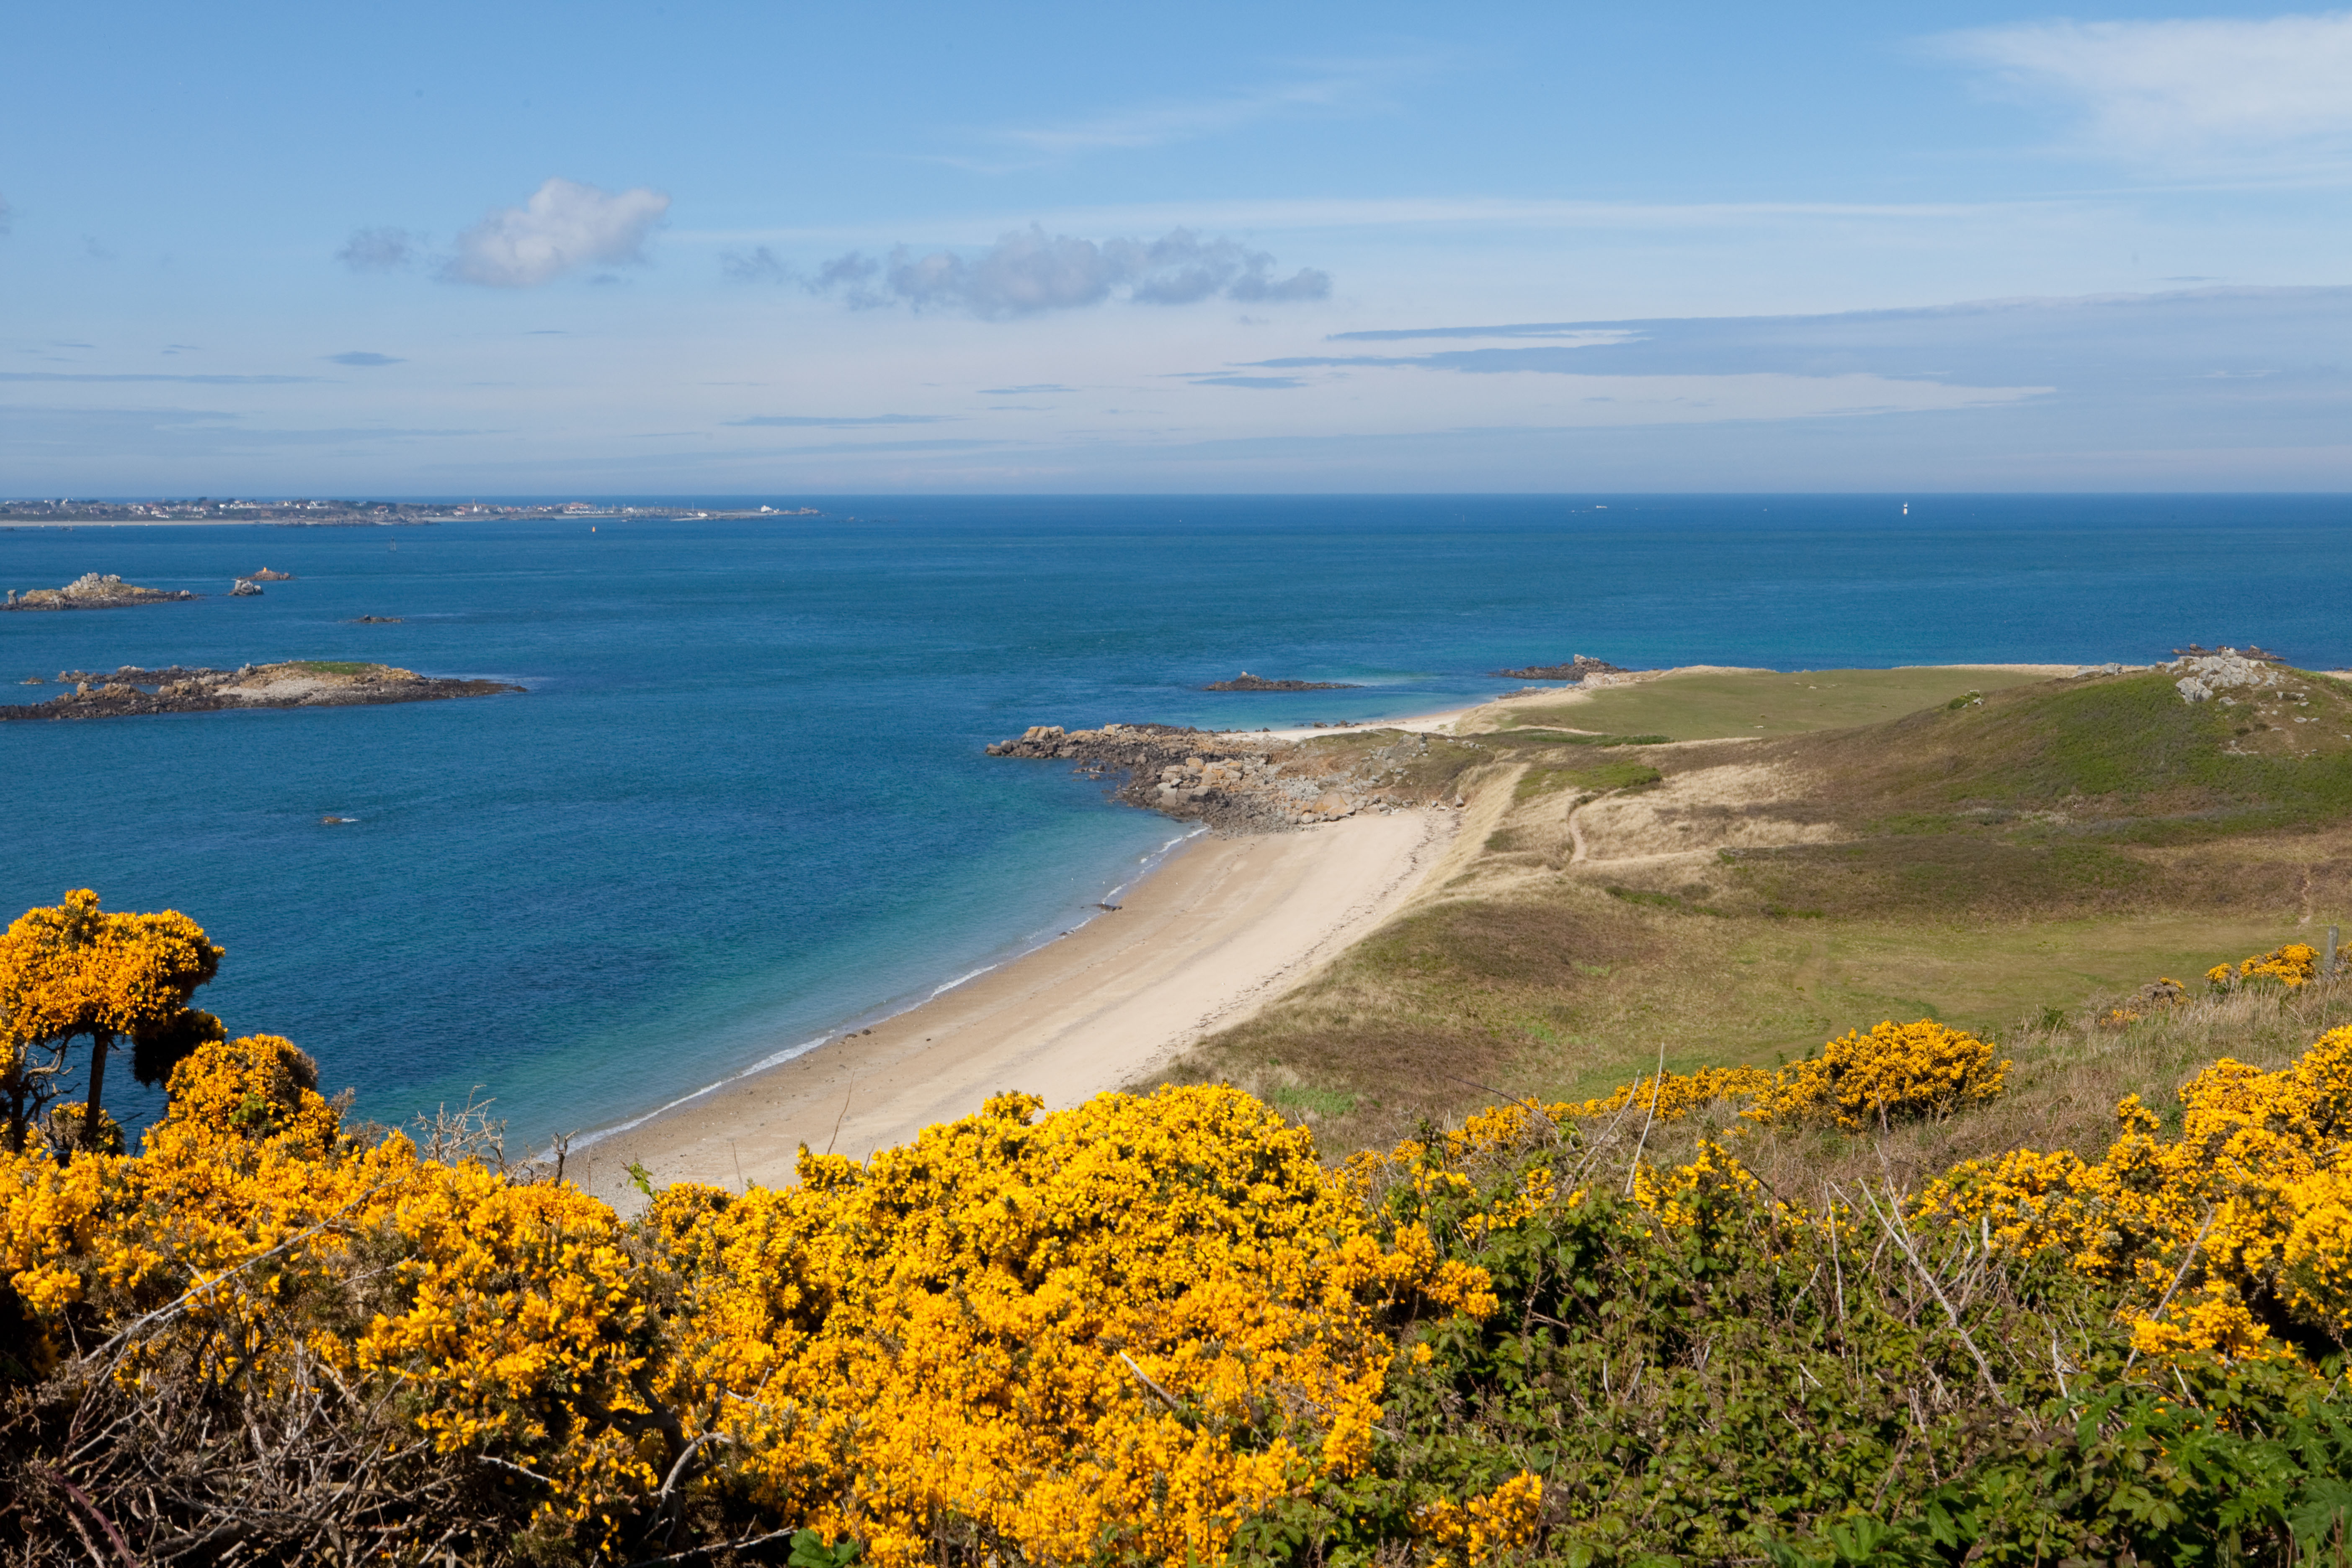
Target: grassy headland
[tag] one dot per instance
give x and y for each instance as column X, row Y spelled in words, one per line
column 1980, row 847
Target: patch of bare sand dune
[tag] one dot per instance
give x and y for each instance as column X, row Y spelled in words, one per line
column 1736, row 805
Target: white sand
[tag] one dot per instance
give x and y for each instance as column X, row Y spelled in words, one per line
column 1224, row 927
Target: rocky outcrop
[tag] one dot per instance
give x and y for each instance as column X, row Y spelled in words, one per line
column 91, row 592
column 2205, row 676
column 373, row 621
column 247, row 588
column 131, row 690
column 1245, row 681
column 1576, row 668
column 267, row 576
column 1239, row 779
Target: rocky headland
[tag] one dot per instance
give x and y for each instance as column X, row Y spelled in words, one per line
column 1248, row 781
column 92, row 592
column 1576, row 668
column 303, row 683
column 1245, row 681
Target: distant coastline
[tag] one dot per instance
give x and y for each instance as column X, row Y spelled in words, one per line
column 316, row 513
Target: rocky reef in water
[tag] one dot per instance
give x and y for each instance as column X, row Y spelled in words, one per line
column 1248, row 781
column 1245, row 681
column 131, row 690
column 1576, row 668
column 92, row 592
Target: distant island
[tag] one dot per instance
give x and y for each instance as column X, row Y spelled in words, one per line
column 1576, row 668
column 1245, row 681
column 302, row 683
column 91, row 592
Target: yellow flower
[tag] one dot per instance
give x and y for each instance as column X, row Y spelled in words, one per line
column 1484, row 1527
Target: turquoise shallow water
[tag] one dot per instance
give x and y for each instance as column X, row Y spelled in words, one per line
column 743, row 801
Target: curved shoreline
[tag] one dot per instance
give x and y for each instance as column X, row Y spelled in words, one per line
column 1223, row 926
column 1217, row 929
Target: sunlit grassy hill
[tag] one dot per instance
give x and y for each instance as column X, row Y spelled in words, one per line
column 2007, row 847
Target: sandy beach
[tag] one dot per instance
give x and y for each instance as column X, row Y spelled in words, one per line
column 1226, row 925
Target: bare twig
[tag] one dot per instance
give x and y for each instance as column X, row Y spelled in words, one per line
column 844, row 1116
column 678, row 1469
column 1145, row 1378
column 518, row 1469
column 1657, row 1087
column 1903, row 1242
column 113, row 1536
column 2179, row 1275
column 705, row 1554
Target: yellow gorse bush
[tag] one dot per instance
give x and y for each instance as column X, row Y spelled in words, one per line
column 1471, row 1534
column 1116, row 1330
column 1896, row 1072
column 2292, row 965
column 2235, row 1231
column 74, row 966
column 506, row 1321
column 72, row 969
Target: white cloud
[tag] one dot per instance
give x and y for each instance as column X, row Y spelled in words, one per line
column 1029, row 270
column 2207, row 87
column 564, row 226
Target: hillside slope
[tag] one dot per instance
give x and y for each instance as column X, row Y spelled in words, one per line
column 1985, row 860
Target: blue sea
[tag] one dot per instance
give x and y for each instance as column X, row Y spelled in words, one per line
column 743, row 803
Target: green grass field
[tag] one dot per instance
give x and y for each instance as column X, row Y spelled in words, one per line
column 1762, row 704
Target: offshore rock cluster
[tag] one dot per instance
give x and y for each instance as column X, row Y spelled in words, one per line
column 131, row 691
column 91, row 592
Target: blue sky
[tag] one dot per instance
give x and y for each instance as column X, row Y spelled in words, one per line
column 439, row 249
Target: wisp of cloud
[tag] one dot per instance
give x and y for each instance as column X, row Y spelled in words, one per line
column 378, row 249
column 2192, row 86
column 1028, row 271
